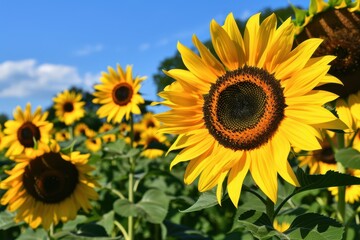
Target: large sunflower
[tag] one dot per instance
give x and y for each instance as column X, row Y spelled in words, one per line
column 46, row 187
column 118, row 94
column 69, row 107
column 338, row 24
column 244, row 111
column 26, row 131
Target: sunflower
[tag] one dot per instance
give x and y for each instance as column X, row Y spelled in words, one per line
column 92, row 142
column 27, row 131
column 124, row 129
column 149, row 120
column 338, row 24
column 46, row 187
column 153, row 142
column 80, row 129
column 69, row 107
column 322, row 160
column 118, row 94
column 244, row 110
column 62, row 135
column 111, row 137
column 138, row 130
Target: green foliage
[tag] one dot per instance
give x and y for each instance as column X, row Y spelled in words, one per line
column 348, row 157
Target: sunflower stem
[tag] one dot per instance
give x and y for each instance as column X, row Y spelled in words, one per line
column 122, row 229
column 341, row 206
column 131, row 180
column 270, row 209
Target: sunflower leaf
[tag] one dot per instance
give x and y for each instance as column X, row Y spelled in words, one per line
column 154, row 204
column 330, row 179
column 258, row 224
column 315, row 226
column 348, row 157
column 7, row 220
column 125, row 208
column 206, row 200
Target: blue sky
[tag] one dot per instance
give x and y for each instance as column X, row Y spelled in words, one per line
column 48, row 46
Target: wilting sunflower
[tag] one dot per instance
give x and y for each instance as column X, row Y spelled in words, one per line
column 69, row 107
column 338, row 24
column 26, row 131
column 118, row 94
column 80, row 129
column 111, row 137
column 154, row 143
column 47, row 187
column 244, row 111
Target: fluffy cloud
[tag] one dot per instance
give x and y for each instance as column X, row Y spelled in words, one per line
column 27, row 78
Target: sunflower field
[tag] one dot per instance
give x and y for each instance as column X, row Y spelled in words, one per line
column 258, row 140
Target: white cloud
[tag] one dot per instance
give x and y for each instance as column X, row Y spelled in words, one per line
column 27, row 78
column 89, row 49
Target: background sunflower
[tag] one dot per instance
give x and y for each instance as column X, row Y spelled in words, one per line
column 26, row 131
column 69, row 107
column 118, row 94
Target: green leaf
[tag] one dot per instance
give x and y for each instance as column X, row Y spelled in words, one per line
column 330, row 179
column 107, row 222
column 258, row 223
column 91, row 230
column 125, row 208
column 315, row 226
column 348, row 157
column 30, row 234
column 115, row 147
column 206, row 200
column 300, row 14
column 7, row 220
column 155, row 205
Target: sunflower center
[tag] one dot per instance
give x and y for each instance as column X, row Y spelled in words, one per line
column 325, row 155
column 27, row 133
column 340, row 30
column 122, row 94
column 68, row 107
column 244, row 108
column 50, row 179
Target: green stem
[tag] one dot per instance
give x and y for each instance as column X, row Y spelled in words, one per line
column 122, row 229
column 270, row 209
column 131, row 180
column 341, row 205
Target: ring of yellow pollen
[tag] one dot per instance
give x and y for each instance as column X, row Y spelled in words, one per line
column 27, row 133
column 244, row 108
column 122, row 93
column 50, row 179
